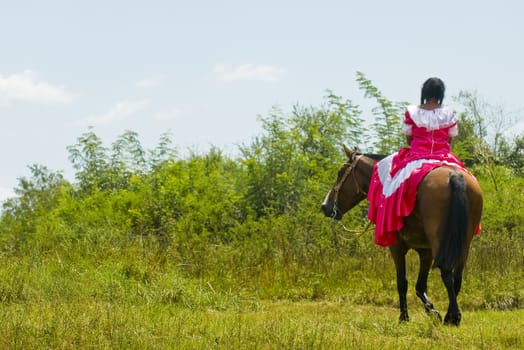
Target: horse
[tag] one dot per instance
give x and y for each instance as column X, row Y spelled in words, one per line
column 440, row 228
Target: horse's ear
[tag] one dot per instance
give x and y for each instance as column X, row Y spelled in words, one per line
column 347, row 151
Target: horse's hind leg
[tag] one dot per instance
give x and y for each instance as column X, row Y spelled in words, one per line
column 426, row 260
column 457, row 279
column 453, row 316
column 459, row 268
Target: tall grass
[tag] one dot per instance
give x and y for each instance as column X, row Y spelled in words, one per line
column 304, row 325
column 141, row 292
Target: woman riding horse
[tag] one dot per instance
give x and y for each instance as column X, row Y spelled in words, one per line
column 421, row 198
column 429, row 128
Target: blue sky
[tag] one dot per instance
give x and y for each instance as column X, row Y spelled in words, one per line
column 204, row 70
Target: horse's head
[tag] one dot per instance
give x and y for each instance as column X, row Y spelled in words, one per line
column 351, row 185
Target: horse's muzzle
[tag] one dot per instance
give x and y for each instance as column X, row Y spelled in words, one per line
column 326, row 209
column 331, row 211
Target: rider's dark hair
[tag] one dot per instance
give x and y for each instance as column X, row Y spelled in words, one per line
column 433, row 87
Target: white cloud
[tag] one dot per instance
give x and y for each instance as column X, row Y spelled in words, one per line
column 117, row 113
column 249, row 72
column 6, row 193
column 148, row 83
column 26, row 87
column 171, row 114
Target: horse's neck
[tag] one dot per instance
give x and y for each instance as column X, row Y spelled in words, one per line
column 367, row 171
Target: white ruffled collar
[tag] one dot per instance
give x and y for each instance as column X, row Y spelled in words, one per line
column 434, row 119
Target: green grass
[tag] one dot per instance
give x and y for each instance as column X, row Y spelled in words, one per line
column 273, row 325
column 139, row 294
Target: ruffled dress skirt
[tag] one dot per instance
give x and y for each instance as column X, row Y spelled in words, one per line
column 393, row 189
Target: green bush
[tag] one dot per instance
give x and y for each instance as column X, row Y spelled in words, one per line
column 211, row 231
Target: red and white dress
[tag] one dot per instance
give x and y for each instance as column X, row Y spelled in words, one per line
column 393, row 188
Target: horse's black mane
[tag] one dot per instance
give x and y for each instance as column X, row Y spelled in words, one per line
column 375, row 156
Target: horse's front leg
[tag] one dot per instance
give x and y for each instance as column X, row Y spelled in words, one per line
column 426, row 260
column 398, row 252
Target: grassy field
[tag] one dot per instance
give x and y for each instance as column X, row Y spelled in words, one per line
column 267, row 325
column 141, row 295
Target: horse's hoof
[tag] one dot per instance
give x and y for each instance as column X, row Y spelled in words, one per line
column 403, row 318
column 433, row 313
column 452, row 320
column 429, row 307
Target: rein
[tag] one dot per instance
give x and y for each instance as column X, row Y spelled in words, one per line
column 356, row 233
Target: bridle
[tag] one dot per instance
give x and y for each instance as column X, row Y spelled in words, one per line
column 349, row 170
column 340, row 183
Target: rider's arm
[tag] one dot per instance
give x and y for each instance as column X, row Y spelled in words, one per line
column 407, row 127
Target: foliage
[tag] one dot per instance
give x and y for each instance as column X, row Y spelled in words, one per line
column 388, row 118
column 294, row 153
column 36, row 197
column 88, row 157
column 145, row 235
column 482, row 136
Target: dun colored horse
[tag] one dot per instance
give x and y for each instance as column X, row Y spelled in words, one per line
column 440, row 228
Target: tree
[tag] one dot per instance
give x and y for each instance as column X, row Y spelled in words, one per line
column 388, row 118
column 481, row 130
column 128, row 158
column 36, row 196
column 163, row 152
column 294, row 153
column 512, row 154
column 89, row 159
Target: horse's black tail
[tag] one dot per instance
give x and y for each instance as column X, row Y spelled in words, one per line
column 453, row 238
